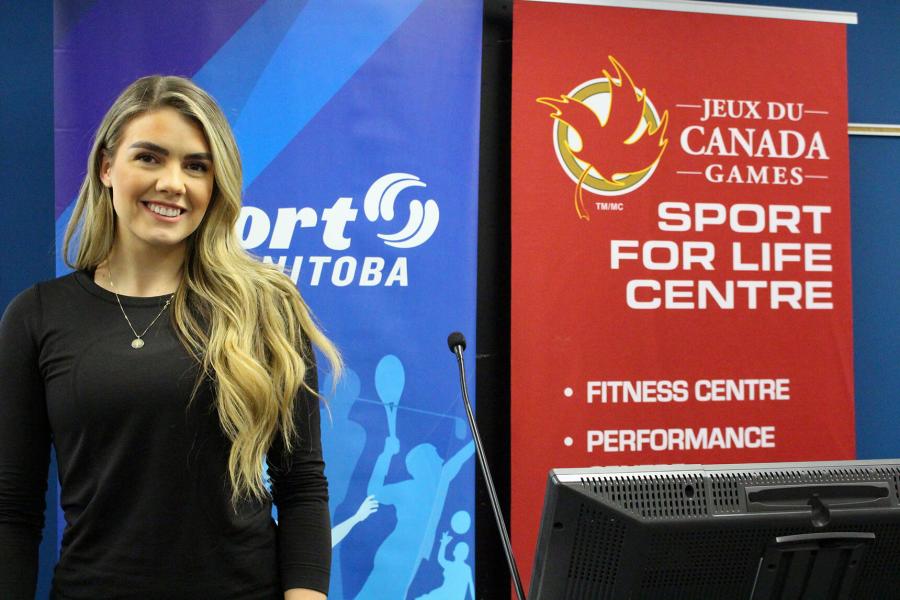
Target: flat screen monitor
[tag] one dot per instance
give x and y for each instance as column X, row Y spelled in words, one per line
column 814, row 530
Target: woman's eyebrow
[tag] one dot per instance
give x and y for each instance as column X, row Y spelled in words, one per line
column 160, row 150
column 150, row 146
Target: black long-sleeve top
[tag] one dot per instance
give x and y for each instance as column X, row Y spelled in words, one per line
column 142, row 467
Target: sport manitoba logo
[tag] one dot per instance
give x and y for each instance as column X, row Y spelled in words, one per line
column 607, row 134
column 388, row 204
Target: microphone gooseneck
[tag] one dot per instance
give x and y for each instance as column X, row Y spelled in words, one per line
column 457, row 343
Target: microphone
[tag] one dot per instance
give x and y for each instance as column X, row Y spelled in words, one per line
column 456, row 339
column 457, row 344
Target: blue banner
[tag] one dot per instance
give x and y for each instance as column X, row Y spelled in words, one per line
column 358, row 128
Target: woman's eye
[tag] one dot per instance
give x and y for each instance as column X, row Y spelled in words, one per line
column 146, row 158
column 200, row 167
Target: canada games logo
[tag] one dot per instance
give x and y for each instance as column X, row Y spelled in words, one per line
column 609, row 148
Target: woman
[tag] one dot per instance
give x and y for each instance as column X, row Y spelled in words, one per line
column 165, row 370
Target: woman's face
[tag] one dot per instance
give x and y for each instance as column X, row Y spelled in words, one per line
column 161, row 178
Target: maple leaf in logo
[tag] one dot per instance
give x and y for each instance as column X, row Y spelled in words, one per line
column 624, row 143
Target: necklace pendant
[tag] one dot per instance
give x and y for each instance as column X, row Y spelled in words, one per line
column 137, row 343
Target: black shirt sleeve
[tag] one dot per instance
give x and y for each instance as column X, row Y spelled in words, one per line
column 300, row 491
column 24, row 447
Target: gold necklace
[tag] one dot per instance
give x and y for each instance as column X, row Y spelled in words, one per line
column 137, row 343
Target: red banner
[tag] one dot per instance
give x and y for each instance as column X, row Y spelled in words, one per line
column 680, row 243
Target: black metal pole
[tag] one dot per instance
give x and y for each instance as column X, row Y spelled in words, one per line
column 486, row 471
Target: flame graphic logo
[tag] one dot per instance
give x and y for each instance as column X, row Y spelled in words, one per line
column 608, row 136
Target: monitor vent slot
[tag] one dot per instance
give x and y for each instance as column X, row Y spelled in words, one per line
column 653, row 496
column 724, row 491
column 819, row 475
column 596, row 551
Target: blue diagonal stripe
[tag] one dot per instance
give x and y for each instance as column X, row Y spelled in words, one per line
column 232, row 72
column 324, row 47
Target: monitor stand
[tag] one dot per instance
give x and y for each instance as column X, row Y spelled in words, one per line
column 812, row 566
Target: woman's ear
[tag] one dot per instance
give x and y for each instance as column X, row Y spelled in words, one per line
column 105, row 166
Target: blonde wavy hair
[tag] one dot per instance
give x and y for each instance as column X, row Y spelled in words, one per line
column 243, row 320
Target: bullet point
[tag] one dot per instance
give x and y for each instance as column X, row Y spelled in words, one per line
column 568, row 392
column 568, row 441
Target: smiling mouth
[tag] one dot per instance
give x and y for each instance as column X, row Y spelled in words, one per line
column 163, row 210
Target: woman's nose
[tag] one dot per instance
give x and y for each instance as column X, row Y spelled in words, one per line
column 171, row 180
